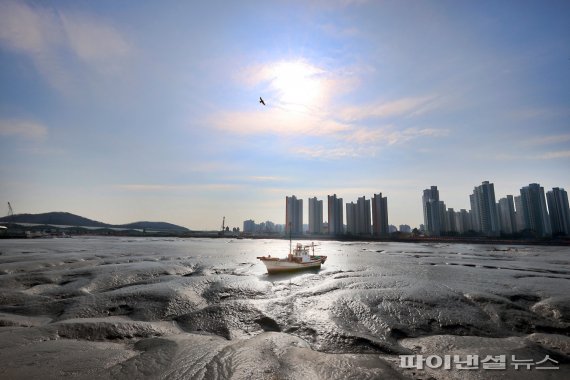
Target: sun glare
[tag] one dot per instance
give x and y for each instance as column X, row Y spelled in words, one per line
column 297, row 83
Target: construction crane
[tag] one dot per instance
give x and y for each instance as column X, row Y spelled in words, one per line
column 10, row 213
column 9, row 218
column 221, row 233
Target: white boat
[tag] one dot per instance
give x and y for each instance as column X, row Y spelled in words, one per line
column 298, row 259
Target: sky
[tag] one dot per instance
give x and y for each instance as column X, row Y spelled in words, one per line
column 122, row 111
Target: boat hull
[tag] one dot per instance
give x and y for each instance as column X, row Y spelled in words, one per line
column 278, row 266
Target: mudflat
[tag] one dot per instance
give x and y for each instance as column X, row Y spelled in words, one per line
column 97, row 307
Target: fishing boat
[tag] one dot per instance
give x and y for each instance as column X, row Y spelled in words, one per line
column 299, row 258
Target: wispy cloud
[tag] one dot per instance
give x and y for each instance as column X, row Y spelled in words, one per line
column 298, row 82
column 99, row 45
column 391, row 136
column 365, row 142
column 547, row 140
column 532, row 113
column 23, row 128
column 385, row 109
column 555, row 155
column 543, row 156
column 277, row 121
column 267, row 178
column 50, row 39
column 141, row 187
column 301, row 102
column 334, row 152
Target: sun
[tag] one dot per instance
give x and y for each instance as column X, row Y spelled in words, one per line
column 297, row 83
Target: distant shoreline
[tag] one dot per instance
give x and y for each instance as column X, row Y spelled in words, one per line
column 564, row 242
column 16, row 231
column 452, row 240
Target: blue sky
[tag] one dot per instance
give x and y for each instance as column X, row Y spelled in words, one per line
column 125, row 111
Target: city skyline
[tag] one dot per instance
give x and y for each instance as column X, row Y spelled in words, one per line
column 127, row 111
column 525, row 214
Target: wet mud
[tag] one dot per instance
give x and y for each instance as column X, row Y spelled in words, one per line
column 115, row 308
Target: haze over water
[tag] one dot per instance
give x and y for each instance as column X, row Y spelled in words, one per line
column 206, row 309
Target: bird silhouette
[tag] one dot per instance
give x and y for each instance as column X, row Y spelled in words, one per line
column 261, row 101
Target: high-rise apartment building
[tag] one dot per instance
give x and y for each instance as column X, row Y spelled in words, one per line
column 450, row 222
column 293, row 215
column 507, row 216
column 462, row 221
column 484, row 208
column 335, row 215
column 519, row 215
column 559, row 211
column 249, row 226
column 379, row 215
column 534, row 210
column 315, row 216
column 358, row 217
column 351, row 218
column 364, row 220
column 432, row 211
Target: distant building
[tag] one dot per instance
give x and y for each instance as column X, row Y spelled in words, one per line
column 392, row 228
column 450, row 221
column 484, row 207
column 432, row 211
column 463, row 221
column 559, row 211
column 358, row 217
column 315, row 216
column 534, row 210
column 519, row 215
column 335, row 215
column 379, row 215
column 293, row 215
column 248, row 226
column 405, row 228
column 507, row 217
column 351, row 218
column 364, row 218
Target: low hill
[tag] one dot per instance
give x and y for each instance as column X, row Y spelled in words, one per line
column 68, row 219
column 55, row 218
column 154, row 226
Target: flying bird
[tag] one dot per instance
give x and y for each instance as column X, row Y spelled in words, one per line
column 261, row 101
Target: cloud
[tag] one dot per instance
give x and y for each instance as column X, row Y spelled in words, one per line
column 301, row 103
column 391, row 136
column 364, row 142
column 324, row 152
column 26, row 29
column 97, row 44
column 547, row 140
column 555, row 155
column 267, row 178
column 278, row 121
column 383, row 109
column 141, row 187
column 297, row 82
column 544, row 156
column 52, row 40
column 540, row 113
column 23, row 128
